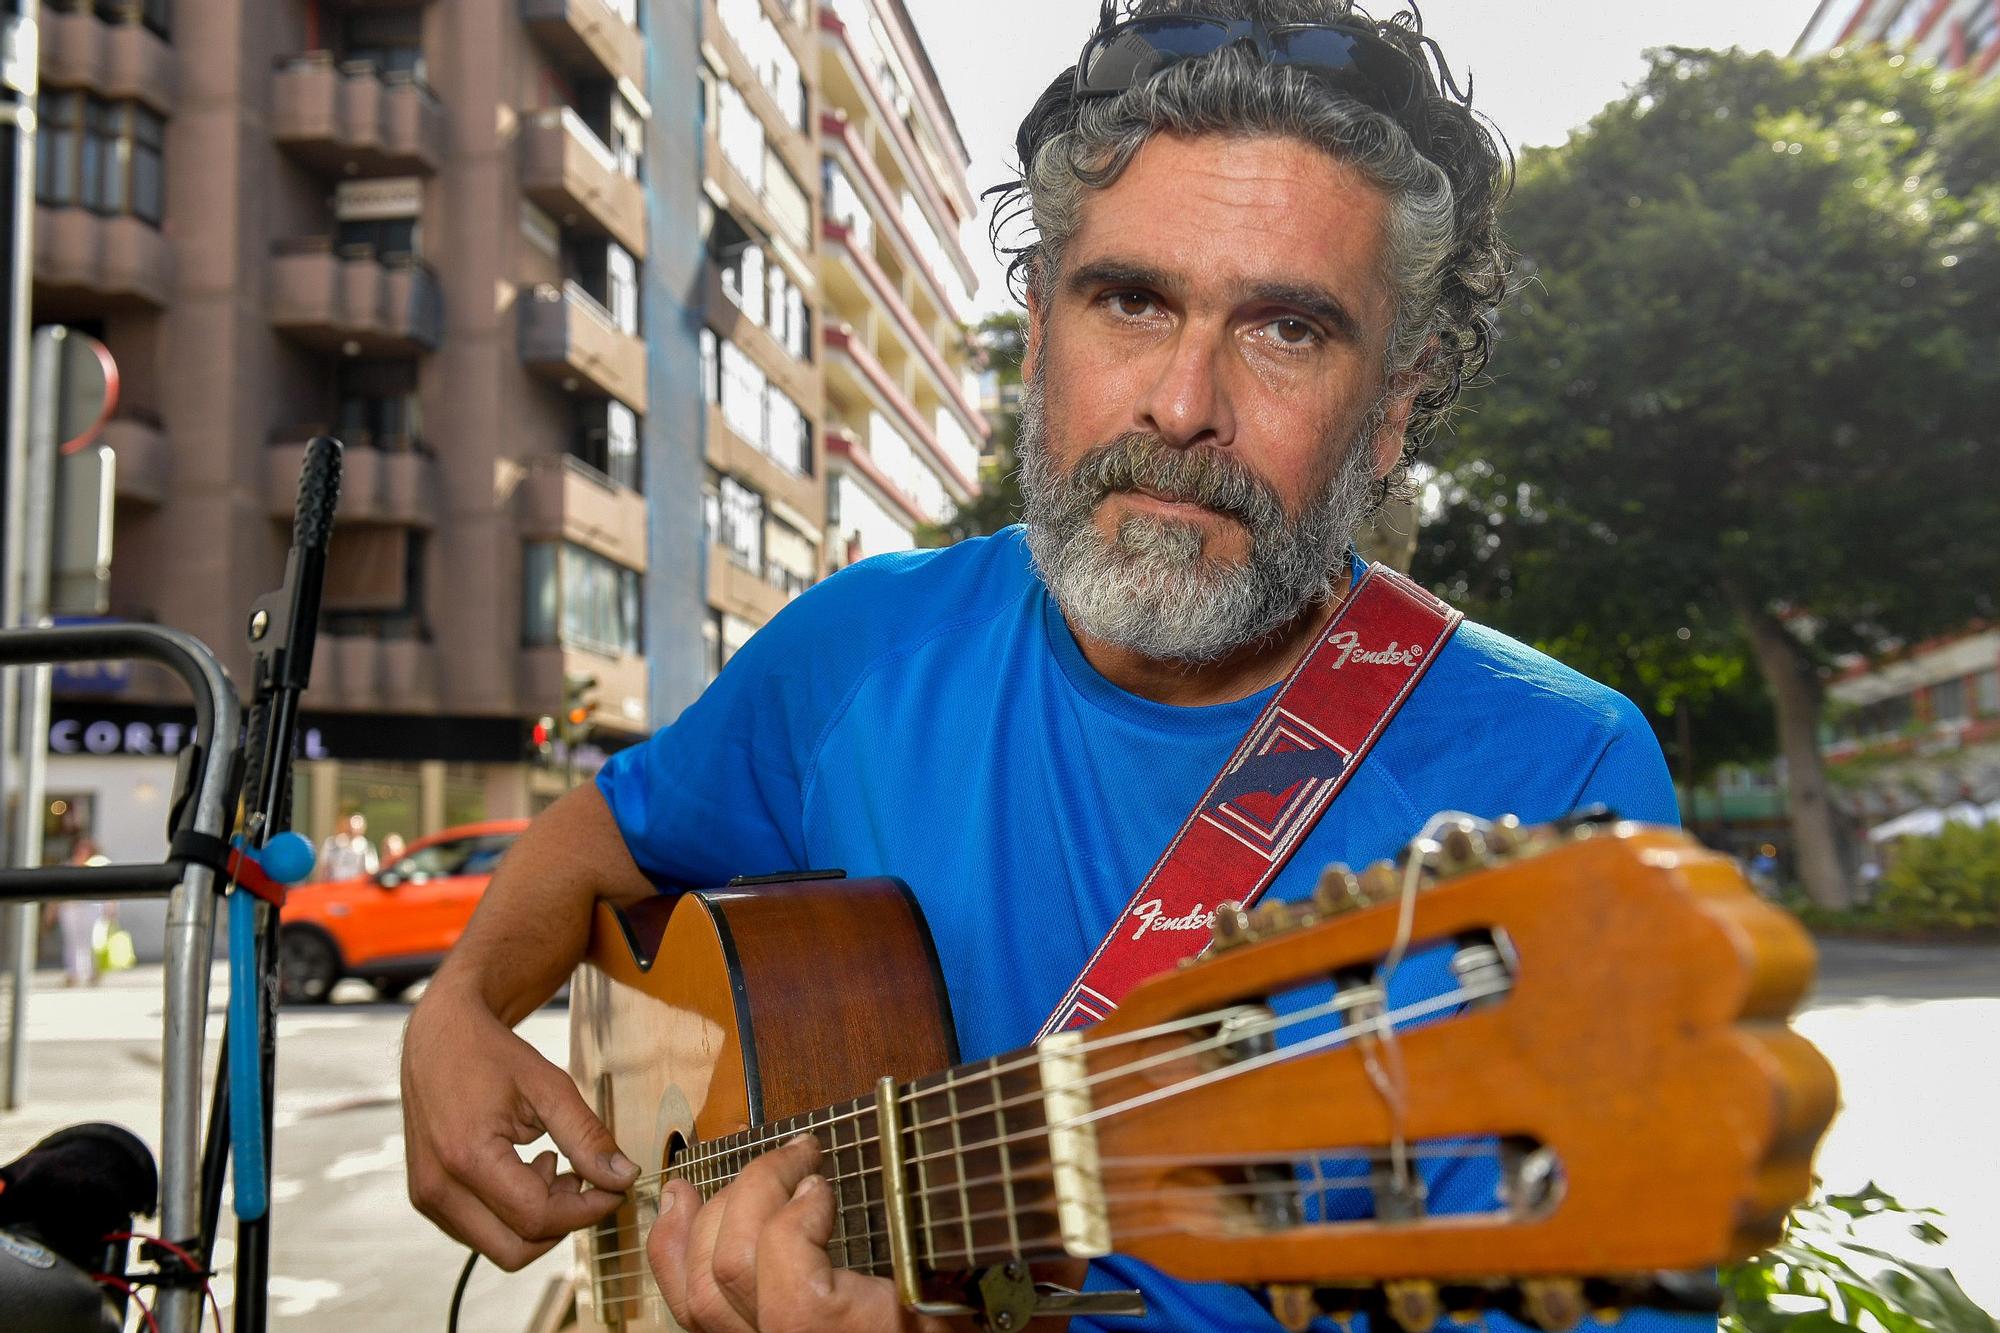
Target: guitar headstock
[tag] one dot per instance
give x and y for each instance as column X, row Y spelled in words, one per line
column 1611, row 1047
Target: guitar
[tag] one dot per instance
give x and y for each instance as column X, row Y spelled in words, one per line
column 1616, row 1044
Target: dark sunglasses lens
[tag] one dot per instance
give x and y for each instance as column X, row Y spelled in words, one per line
column 1371, row 69
column 1130, row 55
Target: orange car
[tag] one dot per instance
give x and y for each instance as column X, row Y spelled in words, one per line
column 390, row 928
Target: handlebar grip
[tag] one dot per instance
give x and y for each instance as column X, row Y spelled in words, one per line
column 319, row 494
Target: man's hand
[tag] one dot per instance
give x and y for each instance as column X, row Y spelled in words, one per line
column 753, row 1258
column 473, row 1092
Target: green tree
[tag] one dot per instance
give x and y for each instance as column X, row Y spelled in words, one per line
column 1004, row 340
column 1743, row 403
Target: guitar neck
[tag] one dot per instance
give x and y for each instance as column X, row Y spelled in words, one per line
column 977, row 1181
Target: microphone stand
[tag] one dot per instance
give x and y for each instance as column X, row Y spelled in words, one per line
column 282, row 630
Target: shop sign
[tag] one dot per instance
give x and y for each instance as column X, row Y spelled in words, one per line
column 103, row 736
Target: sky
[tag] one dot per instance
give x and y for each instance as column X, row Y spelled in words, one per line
column 1540, row 68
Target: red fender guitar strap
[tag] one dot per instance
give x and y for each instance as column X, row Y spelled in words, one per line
column 1294, row 760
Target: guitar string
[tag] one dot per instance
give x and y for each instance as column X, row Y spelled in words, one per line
column 1312, row 1045
column 1336, row 1037
column 1029, row 1060
column 1276, row 1023
column 1318, row 1182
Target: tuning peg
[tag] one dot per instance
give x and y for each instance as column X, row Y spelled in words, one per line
column 1413, row 1303
column 1553, row 1303
column 1382, row 882
column 1293, row 1306
column 1503, row 836
column 1338, row 890
column 1232, row 926
column 1272, row 917
column 1461, row 849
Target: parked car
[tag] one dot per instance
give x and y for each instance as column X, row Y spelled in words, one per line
column 391, row 928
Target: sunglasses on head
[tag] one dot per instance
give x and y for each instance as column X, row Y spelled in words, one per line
column 1352, row 59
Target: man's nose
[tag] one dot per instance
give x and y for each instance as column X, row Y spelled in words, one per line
column 1187, row 402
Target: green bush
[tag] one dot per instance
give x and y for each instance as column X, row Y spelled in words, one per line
column 1823, row 1277
column 1951, row 880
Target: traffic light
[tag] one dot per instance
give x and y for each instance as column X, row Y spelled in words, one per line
column 579, row 702
column 542, row 735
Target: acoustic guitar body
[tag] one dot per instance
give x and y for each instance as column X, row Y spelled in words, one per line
column 699, row 1016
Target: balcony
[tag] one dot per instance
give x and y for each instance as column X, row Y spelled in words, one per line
column 797, row 378
column 568, row 337
column 876, row 288
column 740, row 591
column 394, row 487
column 117, row 61
column 351, row 120
column 145, row 461
column 792, row 142
column 562, row 499
column 86, row 264
column 850, row 359
column 376, row 675
column 621, row 684
column 353, row 301
column 588, row 36
column 567, row 170
column 729, row 452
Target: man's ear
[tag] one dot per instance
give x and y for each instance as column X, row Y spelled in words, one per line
column 1404, row 387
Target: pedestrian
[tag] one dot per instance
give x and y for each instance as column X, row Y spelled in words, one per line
column 78, row 920
column 349, row 853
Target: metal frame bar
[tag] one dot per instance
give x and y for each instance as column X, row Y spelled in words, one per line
column 190, row 889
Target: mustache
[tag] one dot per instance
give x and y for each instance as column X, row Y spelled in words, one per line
column 1138, row 461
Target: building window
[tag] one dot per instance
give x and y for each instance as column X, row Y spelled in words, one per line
column 622, row 282
column 156, row 15
column 607, row 438
column 754, row 408
column 377, row 403
column 382, row 237
column 104, row 156
column 577, row 598
column 1948, row 701
column 375, row 583
column 1986, row 693
column 390, row 40
column 733, row 514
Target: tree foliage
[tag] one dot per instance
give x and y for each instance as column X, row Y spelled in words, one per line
column 1004, row 340
column 1745, row 395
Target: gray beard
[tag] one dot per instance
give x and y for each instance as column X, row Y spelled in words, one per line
column 1150, row 589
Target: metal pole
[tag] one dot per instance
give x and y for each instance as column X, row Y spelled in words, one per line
column 20, row 58
column 38, row 488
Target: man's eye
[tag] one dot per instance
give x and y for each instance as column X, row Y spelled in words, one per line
column 1132, row 305
column 1290, row 331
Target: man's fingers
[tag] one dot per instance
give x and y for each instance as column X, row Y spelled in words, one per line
column 667, row 1246
column 799, row 1287
column 754, row 1198
column 559, row 1109
column 528, row 1202
column 461, row 1215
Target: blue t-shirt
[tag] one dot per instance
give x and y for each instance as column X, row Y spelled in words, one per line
column 930, row 716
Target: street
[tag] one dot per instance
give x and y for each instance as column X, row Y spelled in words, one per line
column 1908, row 1028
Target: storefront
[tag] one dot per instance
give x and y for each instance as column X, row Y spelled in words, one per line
column 112, row 772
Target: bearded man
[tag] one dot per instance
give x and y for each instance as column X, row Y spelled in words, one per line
column 1264, row 250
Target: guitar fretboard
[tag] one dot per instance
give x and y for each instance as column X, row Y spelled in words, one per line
column 976, row 1170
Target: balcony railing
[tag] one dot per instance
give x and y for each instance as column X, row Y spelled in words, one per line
column 351, row 119
column 568, row 336
column 592, row 37
column 352, row 300
column 569, row 171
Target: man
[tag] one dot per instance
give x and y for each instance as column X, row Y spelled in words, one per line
column 1263, row 259
column 349, row 853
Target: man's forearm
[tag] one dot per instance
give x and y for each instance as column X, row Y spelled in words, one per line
column 533, row 921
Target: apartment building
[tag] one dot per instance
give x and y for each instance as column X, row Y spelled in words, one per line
column 1958, row 34
column 904, row 425
column 764, row 487
column 434, row 230
column 1920, row 728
